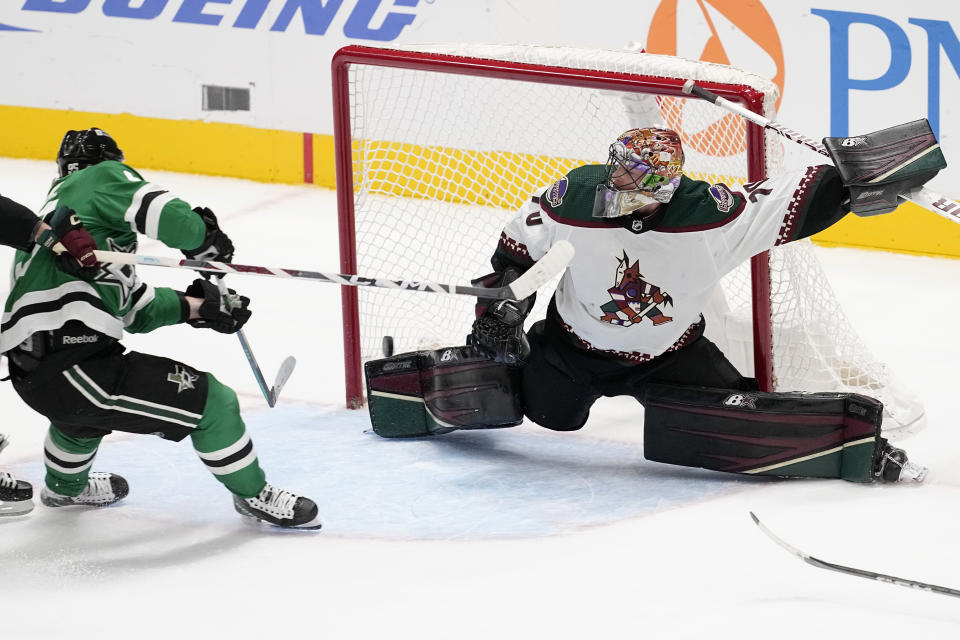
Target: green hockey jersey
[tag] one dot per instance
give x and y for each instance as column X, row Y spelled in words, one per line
column 114, row 203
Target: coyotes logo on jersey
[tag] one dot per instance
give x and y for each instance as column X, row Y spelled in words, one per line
column 633, row 298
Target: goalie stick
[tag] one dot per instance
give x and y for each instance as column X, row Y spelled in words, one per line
column 542, row 271
column 922, row 196
column 286, row 367
column 850, row 571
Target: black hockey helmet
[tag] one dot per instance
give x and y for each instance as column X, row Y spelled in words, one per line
column 80, row 149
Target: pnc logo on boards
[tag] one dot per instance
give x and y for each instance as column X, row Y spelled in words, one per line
column 730, row 32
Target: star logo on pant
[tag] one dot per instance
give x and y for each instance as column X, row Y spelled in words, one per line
column 182, row 378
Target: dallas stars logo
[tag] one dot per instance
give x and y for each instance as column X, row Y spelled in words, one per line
column 182, row 378
column 122, row 276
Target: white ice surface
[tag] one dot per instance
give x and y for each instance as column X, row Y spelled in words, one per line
column 504, row 534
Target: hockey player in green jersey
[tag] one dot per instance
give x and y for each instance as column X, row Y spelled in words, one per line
column 62, row 334
column 21, row 229
column 626, row 318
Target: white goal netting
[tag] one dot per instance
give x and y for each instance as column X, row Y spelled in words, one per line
column 443, row 156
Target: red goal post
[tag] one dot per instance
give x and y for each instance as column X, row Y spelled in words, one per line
column 443, row 136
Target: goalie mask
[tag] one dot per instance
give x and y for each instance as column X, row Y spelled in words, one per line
column 644, row 167
column 80, row 149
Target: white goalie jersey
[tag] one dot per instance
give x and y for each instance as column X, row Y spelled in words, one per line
column 635, row 292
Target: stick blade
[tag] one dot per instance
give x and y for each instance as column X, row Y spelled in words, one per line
column 283, row 374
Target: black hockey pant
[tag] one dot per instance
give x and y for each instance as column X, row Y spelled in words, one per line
column 88, row 391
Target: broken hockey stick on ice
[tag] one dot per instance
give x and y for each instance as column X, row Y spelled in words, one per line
column 870, row 575
column 921, row 196
column 286, row 367
column 551, row 264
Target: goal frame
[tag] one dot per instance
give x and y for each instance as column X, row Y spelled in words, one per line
column 490, row 68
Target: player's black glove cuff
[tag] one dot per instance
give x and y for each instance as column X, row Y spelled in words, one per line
column 216, row 245
column 223, row 315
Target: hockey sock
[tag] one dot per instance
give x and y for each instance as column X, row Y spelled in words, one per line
column 68, row 460
column 222, row 442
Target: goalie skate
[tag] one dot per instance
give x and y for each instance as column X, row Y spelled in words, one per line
column 102, row 489
column 279, row 508
column 893, row 466
column 16, row 496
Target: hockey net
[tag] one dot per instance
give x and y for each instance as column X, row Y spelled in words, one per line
column 438, row 145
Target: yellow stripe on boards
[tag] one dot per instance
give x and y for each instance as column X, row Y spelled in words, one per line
column 493, row 178
column 187, row 146
column 909, row 229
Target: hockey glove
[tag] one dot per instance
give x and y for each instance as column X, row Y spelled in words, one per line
column 225, row 316
column 499, row 333
column 66, row 228
column 216, row 245
column 498, row 329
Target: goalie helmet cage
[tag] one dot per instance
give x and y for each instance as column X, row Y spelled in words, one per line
column 438, row 145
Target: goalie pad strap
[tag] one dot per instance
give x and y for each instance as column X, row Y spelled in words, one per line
column 879, row 166
column 431, row 392
column 821, row 435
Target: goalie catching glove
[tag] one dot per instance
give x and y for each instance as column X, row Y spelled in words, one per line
column 225, row 314
column 498, row 329
column 216, row 245
column 878, row 167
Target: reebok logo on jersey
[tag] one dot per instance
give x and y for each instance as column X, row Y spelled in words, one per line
column 556, row 191
column 724, row 199
column 182, row 378
column 68, row 340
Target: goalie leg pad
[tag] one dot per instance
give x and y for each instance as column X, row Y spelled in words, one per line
column 816, row 435
column 879, row 166
column 432, row 392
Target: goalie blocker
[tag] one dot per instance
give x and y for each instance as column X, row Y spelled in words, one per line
column 424, row 393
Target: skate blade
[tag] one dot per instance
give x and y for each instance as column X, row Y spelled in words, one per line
column 18, row 508
column 254, row 521
column 913, row 471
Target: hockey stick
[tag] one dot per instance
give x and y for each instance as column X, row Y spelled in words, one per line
column 870, row 575
column 286, row 367
column 542, row 271
column 922, row 196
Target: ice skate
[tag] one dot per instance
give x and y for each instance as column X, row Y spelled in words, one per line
column 102, row 489
column 279, row 508
column 16, row 496
column 893, row 466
